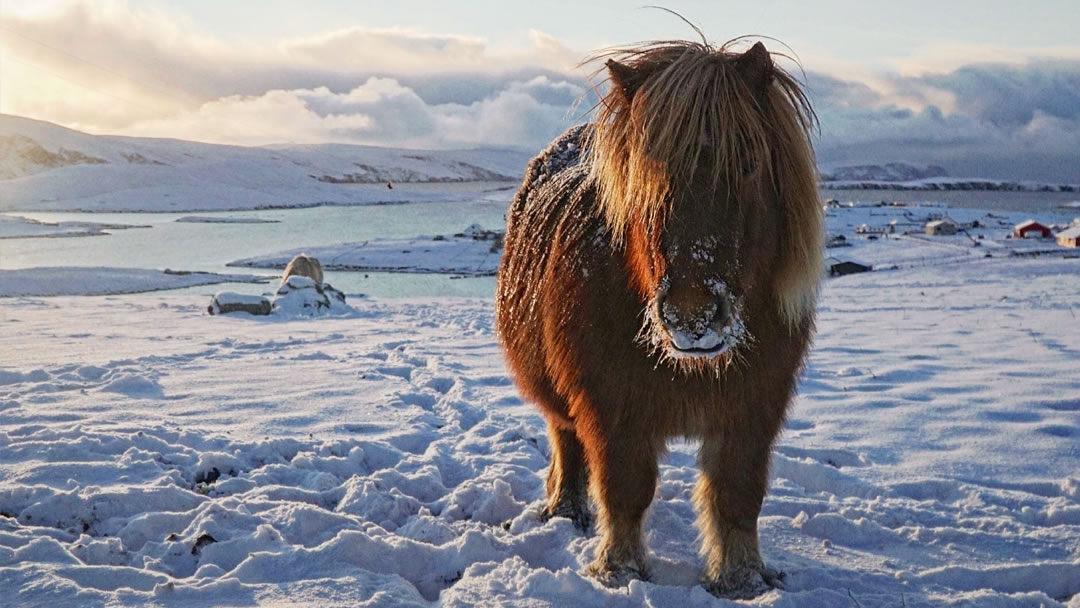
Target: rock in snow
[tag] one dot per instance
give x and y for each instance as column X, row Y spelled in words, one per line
column 225, row 302
column 297, row 296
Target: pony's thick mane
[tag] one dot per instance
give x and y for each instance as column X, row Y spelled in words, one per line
column 695, row 97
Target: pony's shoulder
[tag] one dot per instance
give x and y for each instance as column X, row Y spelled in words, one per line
column 556, row 196
column 563, row 153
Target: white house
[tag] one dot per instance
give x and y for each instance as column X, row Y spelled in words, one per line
column 1070, row 237
column 942, row 226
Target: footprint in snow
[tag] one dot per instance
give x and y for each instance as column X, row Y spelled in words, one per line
column 440, row 384
column 136, row 387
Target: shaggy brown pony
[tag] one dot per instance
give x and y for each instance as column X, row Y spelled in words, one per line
column 659, row 281
column 303, row 266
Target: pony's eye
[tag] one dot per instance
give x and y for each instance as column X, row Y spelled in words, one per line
column 747, row 166
column 747, row 162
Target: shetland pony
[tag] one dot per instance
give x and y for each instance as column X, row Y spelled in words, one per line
column 659, row 281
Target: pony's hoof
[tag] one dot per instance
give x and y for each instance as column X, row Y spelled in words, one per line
column 745, row 582
column 616, row 576
column 578, row 514
column 773, row 578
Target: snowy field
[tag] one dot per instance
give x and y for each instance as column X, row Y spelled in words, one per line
column 910, row 247
column 93, row 281
column 475, row 251
column 18, row 227
column 202, row 219
column 151, row 454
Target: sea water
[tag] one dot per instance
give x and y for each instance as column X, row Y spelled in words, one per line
column 167, row 243
column 209, row 247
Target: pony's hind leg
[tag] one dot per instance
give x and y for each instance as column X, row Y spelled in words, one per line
column 567, row 481
column 623, row 471
column 728, row 498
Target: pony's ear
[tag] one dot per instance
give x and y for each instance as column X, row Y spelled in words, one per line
column 627, row 79
column 756, row 67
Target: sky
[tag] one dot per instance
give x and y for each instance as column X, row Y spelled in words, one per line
column 986, row 88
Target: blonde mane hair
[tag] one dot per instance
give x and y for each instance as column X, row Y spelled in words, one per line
column 692, row 95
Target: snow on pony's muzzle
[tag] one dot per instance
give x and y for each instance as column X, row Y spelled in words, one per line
column 712, row 344
column 708, row 329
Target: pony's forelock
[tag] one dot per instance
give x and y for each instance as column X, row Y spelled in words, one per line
column 694, row 96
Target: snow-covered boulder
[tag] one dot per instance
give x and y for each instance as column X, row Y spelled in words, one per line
column 225, row 302
column 299, row 295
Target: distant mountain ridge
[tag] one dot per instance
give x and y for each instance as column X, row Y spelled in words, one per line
column 909, row 176
column 20, row 155
column 889, row 172
column 48, row 167
column 30, row 146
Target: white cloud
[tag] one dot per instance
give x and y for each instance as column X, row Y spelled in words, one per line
column 399, row 50
column 945, row 58
column 381, row 112
column 1008, row 120
column 105, row 67
column 109, row 68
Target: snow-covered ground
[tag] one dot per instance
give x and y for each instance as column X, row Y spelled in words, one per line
column 906, row 245
column 896, row 236
column 949, row 183
column 150, row 453
column 203, row 219
column 377, row 454
column 18, row 227
column 91, row 281
column 458, row 253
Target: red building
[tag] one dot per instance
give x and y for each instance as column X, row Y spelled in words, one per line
column 1031, row 229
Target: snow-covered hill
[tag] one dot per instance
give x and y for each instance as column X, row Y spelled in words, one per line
column 47, row 167
column 889, row 172
column 908, row 176
column 950, row 183
column 23, row 155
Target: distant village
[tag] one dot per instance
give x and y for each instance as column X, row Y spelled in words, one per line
column 934, row 233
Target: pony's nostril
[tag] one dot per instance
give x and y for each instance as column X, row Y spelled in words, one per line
column 723, row 313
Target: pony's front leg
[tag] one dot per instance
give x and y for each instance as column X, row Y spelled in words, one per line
column 729, row 494
column 623, row 471
column 567, row 479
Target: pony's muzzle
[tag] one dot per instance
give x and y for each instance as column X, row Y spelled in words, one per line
column 698, row 323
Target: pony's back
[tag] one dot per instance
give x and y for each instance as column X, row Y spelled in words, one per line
column 552, row 209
